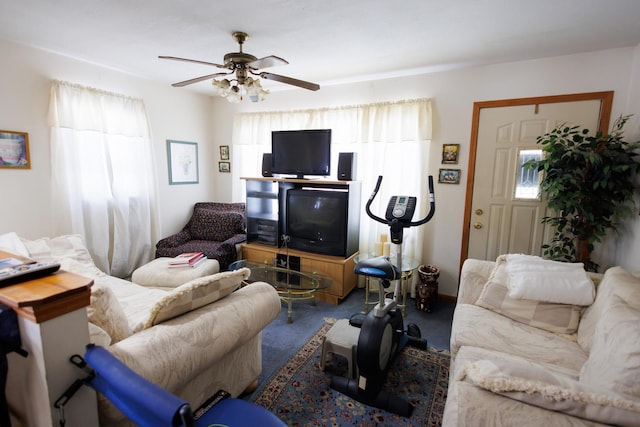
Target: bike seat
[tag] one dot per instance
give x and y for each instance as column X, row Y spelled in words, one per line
column 379, row 267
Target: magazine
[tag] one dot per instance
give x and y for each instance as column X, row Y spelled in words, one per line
column 7, row 259
column 187, row 259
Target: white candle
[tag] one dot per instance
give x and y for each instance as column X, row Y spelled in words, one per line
column 387, row 249
column 377, row 249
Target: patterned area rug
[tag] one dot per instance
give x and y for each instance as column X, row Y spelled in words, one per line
column 300, row 394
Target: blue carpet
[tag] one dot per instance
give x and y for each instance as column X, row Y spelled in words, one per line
column 300, row 393
column 281, row 340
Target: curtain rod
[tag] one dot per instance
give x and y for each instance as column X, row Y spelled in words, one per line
column 342, row 107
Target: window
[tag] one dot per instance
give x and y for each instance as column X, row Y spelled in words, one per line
column 390, row 139
column 528, row 180
column 103, row 176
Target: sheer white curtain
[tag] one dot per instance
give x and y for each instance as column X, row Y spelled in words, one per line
column 103, row 175
column 390, row 139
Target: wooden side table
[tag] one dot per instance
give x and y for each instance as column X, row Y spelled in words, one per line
column 53, row 326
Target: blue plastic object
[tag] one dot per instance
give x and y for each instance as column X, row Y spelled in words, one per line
column 371, row 271
column 236, row 412
column 379, row 267
column 149, row 405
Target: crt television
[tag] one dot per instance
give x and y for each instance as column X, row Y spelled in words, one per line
column 301, row 152
column 316, row 221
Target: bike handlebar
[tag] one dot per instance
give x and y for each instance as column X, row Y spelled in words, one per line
column 373, row 196
column 432, row 206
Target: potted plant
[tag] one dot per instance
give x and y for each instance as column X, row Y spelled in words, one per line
column 588, row 182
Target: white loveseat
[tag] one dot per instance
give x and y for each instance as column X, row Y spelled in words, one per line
column 199, row 338
column 525, row 363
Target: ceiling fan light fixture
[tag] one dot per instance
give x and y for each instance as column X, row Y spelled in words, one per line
column 222, row 86
column 254, row 90
column 234, row 92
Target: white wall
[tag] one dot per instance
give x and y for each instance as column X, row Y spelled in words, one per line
column 627, row 242
column 454, row 93
column 183, row 115
column 25, row 78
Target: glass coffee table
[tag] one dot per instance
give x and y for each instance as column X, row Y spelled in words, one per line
column 291, row 285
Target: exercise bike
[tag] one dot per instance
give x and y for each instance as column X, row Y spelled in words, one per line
column 382, row 334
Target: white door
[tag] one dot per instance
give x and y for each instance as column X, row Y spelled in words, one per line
column 505, row 213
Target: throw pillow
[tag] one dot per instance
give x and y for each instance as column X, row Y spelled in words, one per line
column 70, row 251
column 195, row 294
column 616, row 281
column 10, row 242
column 552, row 317
column 106, row 312
column 534, row 384
column 531, row 277
column 207, row 224
column 614, row 361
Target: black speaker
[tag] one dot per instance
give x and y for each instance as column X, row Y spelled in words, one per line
column 346, row 166
column 266, row 164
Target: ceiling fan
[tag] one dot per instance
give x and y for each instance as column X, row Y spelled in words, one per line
column 243, row 65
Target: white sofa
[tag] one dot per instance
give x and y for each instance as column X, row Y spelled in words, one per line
column 567, row 370
column 199, row 338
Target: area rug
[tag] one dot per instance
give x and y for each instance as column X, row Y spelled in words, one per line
column 299, row 393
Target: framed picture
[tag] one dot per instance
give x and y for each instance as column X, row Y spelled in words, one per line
column 14, row 150
column 449, row 176
column 224, row 152
column 224, row 167
column 450, row 153
column 183, row 162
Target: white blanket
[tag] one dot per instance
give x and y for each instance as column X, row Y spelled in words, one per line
column 531, row 277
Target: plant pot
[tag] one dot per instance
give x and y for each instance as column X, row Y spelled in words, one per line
column 427, row 289
column 428, row 273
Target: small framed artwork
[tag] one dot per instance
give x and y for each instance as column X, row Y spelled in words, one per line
column 224, row 152
column 450, row 153
column 449, row 176
column 14, row 150
column 224, row 167
column 183, row 162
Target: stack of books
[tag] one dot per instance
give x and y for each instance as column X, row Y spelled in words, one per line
column 187, row 259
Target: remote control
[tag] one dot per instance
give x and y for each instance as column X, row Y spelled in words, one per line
column 21, row 273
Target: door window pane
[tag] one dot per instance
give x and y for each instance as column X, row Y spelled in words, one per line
column 528, row 180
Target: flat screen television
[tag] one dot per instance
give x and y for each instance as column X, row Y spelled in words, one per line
column 316, row 221
column 301, row 152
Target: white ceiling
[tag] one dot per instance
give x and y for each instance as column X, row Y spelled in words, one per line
column 325, row 41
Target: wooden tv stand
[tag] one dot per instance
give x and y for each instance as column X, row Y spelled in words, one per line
column 338, row 268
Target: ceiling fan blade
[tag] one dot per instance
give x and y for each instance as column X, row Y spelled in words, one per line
column 195, row 61
column 290, row 81
column 266, row 62
column 198, row 79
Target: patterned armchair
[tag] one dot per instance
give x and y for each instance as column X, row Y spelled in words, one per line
column 214, row 229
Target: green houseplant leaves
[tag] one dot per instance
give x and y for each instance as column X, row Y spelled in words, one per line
column 588, row 182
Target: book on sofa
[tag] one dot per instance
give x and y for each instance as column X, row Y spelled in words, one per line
column 187, row 259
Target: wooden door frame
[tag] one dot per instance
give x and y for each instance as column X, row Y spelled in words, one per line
column 606, row 102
